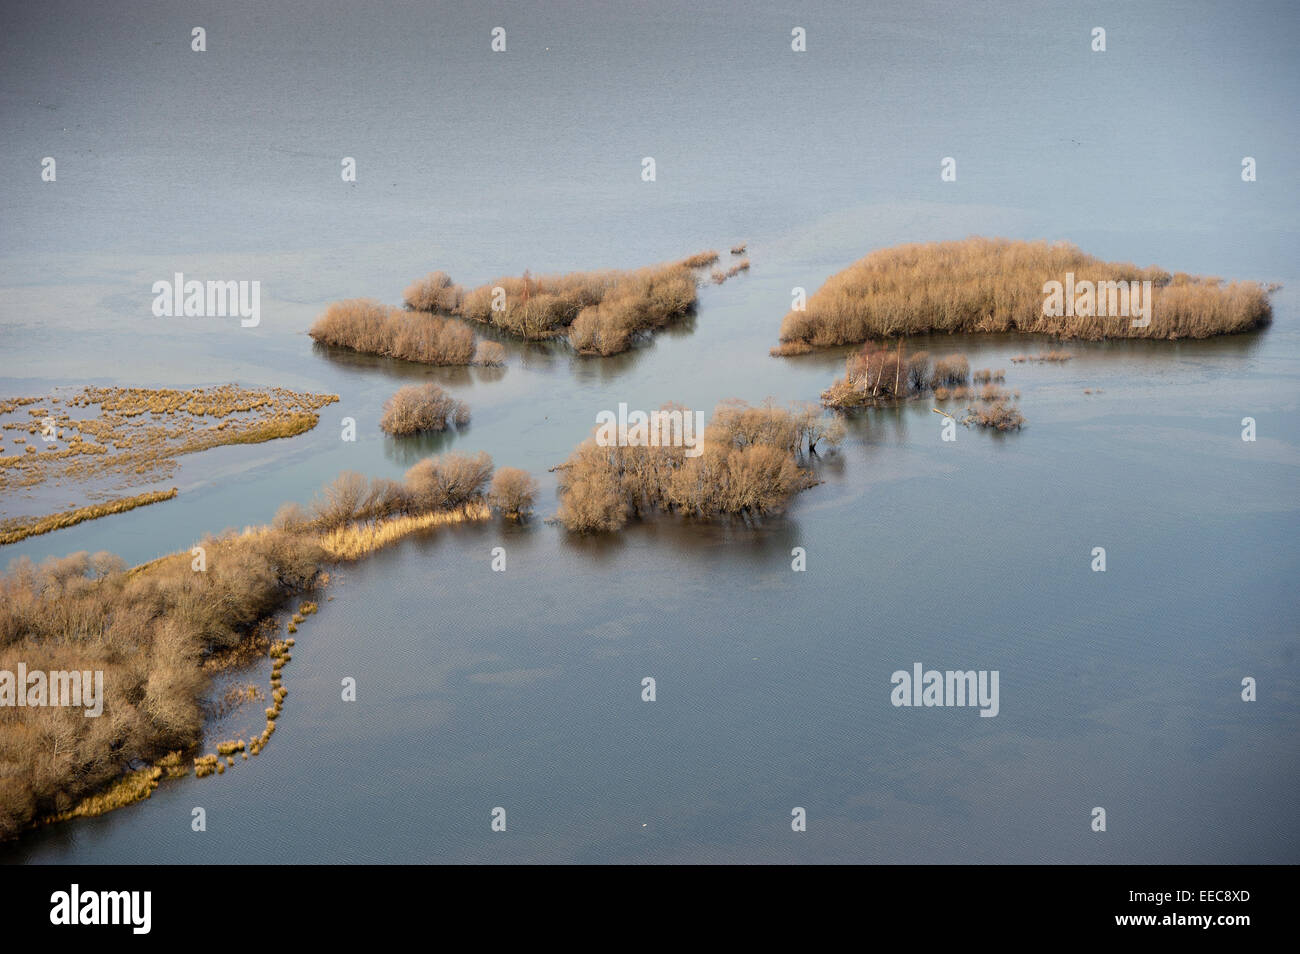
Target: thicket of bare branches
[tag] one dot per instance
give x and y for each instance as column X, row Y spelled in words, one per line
column 749, row 467
column 151, row 630
column 435, row 292
column 513, row 492
column 601, row 312
column 148, row 633
column 422, row 407
column 879, row 373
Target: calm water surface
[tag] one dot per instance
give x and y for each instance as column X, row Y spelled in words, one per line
column 521, row 689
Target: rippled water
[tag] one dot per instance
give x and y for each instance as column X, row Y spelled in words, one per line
column 522, row 689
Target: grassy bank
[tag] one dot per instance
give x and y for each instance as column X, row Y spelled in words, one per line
column 160, row 631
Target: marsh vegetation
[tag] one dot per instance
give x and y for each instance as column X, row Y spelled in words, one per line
column 108, row 439
column 753, row 461
column 422, row 407
column 997, row 285
column 371, row 327
column 599, row 312
column 160, row 631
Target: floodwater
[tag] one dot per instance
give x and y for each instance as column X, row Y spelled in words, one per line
column 522, row 690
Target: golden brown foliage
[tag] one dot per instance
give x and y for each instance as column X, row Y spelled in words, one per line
column 148, row 632
column 435, row 292
column 601, row 312
column 11, row 531
column 159, row 630
column 513, row 492
column 996, row 285
column 422, row 407
column 372, row 327
column 748, row 466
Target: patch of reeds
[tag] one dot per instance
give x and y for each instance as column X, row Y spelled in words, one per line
column 1055, row 357
column 719, row 276
column 371, row 327
column 11, row 531
column 127, row 790
column 160, row 630
column 997, row 285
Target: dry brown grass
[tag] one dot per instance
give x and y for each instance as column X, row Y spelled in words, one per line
column 132, row 436
column 362, row 539
column 996, row 285
column 11, row 531
column 371, row 327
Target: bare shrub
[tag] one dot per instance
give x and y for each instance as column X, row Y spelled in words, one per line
column 601, row 312
column 490, row 354
column 422, row 407
column 950, row 370
column 435, row 292
column 748, row 466
column 440, row 483
column 339, row 502
column 513, row 491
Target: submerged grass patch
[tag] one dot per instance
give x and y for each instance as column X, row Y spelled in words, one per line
column 115, row 438
column 19, row 528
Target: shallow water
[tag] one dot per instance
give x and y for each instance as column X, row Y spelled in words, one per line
column 522, row 689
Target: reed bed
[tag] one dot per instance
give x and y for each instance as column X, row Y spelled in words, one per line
column 997, row 285
column 135, row 438
column 371, row 327
column 358, row 540
column 11, row 531
column 719, row 276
